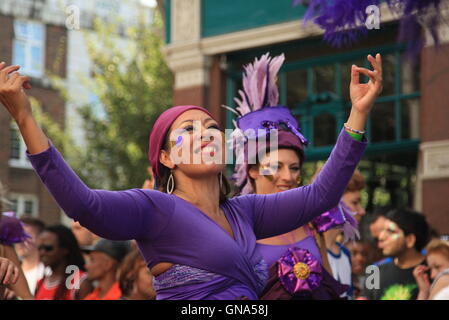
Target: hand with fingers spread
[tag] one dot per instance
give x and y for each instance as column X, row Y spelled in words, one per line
column 363, row 95
column 12, row 95
column 15, row 100
column 9, row 272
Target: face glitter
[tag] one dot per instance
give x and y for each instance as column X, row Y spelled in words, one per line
column 179, row 141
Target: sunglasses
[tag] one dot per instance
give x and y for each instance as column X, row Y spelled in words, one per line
column 46, row 248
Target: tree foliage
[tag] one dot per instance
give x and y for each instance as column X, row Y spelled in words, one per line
column 133, row 85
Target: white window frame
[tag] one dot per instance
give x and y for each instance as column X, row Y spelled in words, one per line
column 21, row 198
column 22, row 162
column 29, row 42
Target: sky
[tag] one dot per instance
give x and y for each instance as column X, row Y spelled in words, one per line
column 150, row 3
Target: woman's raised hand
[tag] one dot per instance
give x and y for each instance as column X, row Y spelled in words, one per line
column 363, row 95
column 15, row 100
column 12, row 95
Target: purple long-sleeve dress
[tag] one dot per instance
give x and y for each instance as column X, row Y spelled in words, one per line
column 209, row 263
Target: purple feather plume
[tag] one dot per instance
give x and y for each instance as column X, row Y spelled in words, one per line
column 259, row 90
column 259, row 84
column 343, row 21
column 11, row 230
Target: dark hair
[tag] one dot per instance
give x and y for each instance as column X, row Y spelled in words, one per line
column 39, row 225
column 377, row 213
column 67, row 240
column 164, row 174
column 411, row 222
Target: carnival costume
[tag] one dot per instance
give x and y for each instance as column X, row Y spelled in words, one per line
column 208, row 262
column 296, row 269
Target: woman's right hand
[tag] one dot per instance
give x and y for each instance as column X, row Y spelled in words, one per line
column 9, row 272
column 12, row 95
column 422, row 278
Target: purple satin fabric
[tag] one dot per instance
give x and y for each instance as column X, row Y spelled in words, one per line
column 308, row 280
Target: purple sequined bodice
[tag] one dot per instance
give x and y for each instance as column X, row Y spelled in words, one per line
column 185, row 282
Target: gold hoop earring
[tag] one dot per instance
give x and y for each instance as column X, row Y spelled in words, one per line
column 298, row 180
column 170, row 183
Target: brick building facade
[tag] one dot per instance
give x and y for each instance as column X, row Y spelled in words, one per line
column 26, row 191
column 45, row 38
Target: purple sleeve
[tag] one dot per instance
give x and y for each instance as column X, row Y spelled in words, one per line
column 275, row 214
column 115, row 215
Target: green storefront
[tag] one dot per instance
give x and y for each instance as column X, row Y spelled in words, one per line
column 208, row 42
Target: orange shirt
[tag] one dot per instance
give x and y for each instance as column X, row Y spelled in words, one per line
column 113, row 294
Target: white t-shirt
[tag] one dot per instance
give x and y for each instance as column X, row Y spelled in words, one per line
column 34, row 275
column 341, row 266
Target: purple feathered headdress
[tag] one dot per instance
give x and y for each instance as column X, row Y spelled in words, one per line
column 11, row 229
column 343, row 21
column 339, row 217
column 257, row 109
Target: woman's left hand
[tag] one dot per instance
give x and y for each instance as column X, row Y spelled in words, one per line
column 363, row 95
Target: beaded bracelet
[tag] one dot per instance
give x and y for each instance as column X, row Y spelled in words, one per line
column 353, row 130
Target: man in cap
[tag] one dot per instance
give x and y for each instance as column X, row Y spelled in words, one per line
column 104, row 261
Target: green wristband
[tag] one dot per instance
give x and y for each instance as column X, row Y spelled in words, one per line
column 355, row 136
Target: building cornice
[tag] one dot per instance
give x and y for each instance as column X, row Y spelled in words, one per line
column 187, row 53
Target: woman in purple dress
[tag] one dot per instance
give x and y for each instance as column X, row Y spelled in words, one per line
column 260, row 174
column 197, row 243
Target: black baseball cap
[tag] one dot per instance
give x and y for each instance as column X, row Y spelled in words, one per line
column 115, row 249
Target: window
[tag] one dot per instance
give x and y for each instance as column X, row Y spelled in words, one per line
column 24, row 204
column 29, row 46
column 17, row 156
column 317, row 91
column 316, row 88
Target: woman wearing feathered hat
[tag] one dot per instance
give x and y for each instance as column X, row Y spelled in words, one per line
column 258, row 173
column 198, row 243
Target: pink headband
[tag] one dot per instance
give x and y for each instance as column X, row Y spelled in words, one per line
column 159, row 131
